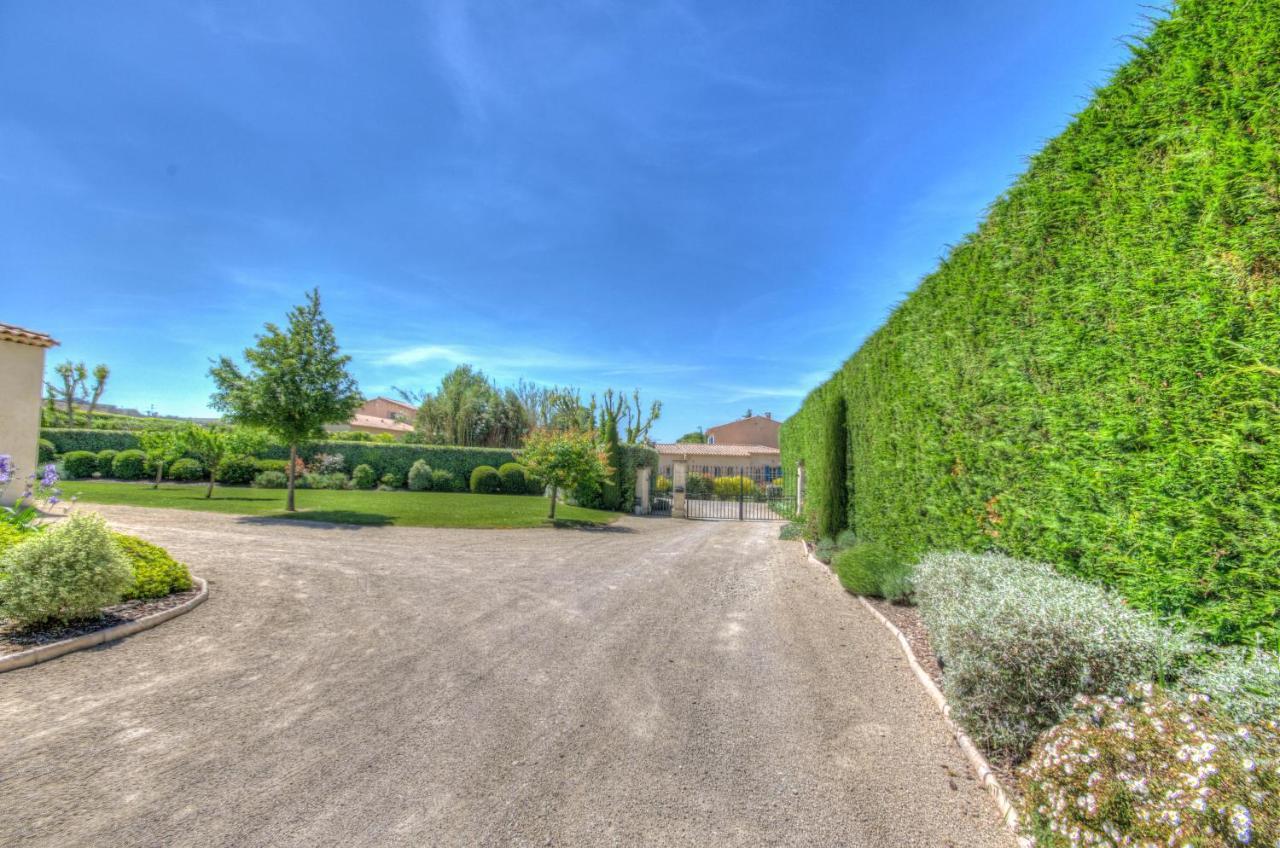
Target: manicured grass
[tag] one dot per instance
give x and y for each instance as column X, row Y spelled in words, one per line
column 405, row 509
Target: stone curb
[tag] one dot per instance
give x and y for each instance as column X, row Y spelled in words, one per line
column 982, row 768
column 32, row 656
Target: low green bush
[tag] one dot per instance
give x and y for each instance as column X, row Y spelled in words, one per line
column 485, row 480
column 420, row 476
column 333, row 480
column 237, row 470
column 129, row 465
column 825, row 550
column 1244, row 683
column 443, row 481
column 47, row 452
column 699, row 485
column 67, row 572
column 271, row 480
column 393, row 480
column 1150, row 769
column 11, row 534
column 364, row 477
column 186, row 470
column 155, row 573
column 1018, row 642
column 791, row 531
column 846, row 539
column 79, row 465
column 869, row 568
column 281, row 465
column 534, row 484
column 514, row 478
column 104, row 460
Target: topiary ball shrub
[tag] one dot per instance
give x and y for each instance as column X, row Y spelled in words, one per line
column 514, row 478
column 79, row 465
column 363, row 477
column 46, row 452
column 869, row 568
column 271, row 480
column 393, row 480
column 186, row 470
column 68, row 572
column 485, row 480
column 155, row 573
column 1019, row 642
column 443, row 481
column 129, row 465
column 105, row 458
column 420, row 476
column 237, row 470
column 1151, row 769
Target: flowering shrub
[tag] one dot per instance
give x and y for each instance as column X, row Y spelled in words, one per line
column 1243, row 683
column 1018, row 642
column 1153, row 770
column 328, row 463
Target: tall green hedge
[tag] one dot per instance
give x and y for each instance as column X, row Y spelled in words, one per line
column 1093, row 378
column 66, row 440
column 398, row 459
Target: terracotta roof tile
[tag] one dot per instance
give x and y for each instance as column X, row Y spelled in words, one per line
column 714, row 450
column 21, row 335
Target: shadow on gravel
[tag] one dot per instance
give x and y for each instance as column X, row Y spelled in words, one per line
column 342, row 519
column 591, row 526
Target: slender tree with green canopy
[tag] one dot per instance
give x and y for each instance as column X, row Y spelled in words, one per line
column 613, row 407
column 211, row 445
column 100, row 374
column 562, row 459
column 162, row 447
column 296, row 382
column 835, row 516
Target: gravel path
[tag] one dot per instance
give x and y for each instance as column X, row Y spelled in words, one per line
column 661, row 682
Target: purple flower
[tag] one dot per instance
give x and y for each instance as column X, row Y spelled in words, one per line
column 50, row 475
column 6, row 468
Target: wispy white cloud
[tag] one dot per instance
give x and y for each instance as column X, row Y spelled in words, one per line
column 499, row 359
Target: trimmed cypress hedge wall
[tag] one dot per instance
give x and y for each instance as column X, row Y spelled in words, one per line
column 66, row 440
column 1093, row 378
column 398, row 459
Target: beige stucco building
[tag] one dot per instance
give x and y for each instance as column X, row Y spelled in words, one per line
column 760, row 462
column 753, row 430
column 379, row 415
column 21, row 387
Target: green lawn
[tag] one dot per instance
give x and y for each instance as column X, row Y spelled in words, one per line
column 405, row 509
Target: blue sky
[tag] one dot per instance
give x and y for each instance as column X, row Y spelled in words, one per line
column 713, row 201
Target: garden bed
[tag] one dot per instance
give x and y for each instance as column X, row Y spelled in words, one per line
column 14, row 639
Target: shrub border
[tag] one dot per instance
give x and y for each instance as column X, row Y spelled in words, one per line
column 985, row 774
column 44, row 653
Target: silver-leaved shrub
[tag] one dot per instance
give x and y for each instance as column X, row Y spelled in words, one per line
column 1019, row 642
column 71, row 570
column 1244, row 683
column 1153, row 770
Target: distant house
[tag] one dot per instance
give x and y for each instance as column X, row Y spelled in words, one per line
column 752, row 430
column 21, row 385
column 379, row 415
column 748, row 445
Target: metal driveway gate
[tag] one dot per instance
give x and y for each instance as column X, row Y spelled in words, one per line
column 740, row 494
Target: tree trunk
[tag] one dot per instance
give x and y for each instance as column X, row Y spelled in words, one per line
column 293, row 470
column 209, row 493
column 553, row 501
column 159, row 474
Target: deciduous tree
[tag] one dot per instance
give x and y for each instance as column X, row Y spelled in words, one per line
column 562, row 459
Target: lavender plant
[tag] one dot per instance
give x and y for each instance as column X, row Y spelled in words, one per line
column 40, row 493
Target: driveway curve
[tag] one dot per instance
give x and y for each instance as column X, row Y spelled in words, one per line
column 657, row 683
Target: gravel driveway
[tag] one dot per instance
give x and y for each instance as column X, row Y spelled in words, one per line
column 662, row 682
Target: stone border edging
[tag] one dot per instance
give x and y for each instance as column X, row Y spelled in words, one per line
column 44, row 653
column 986, row 776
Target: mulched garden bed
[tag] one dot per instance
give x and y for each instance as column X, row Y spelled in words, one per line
column 14, row 638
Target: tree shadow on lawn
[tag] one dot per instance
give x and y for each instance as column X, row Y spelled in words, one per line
column 343, row 519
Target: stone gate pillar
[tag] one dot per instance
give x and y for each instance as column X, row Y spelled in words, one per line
column 679, row 478
column 799, row 488
column 642, row 490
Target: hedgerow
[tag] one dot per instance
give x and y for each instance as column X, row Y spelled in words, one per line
column 1090, row 379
